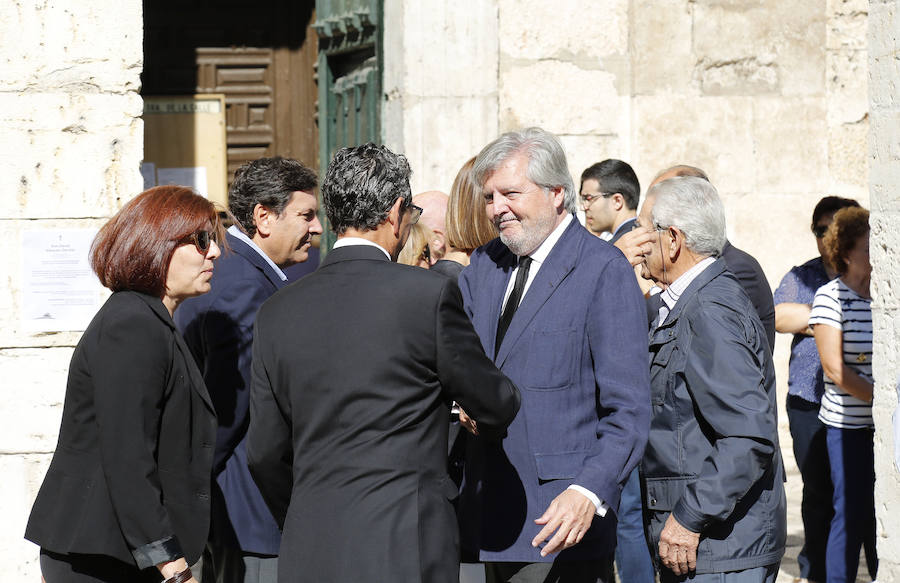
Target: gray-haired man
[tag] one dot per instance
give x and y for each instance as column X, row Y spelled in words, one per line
column 712, row 467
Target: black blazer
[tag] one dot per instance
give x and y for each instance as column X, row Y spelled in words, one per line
column 354, row 370
column 130, row 478
column 751, row 277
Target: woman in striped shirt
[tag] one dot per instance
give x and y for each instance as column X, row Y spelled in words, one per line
column 841, row 319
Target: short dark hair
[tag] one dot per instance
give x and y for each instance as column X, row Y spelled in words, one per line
column 830, row 205
column 615, row 176
column 850, row 223
column 132, row 251
column 270, row 182
column 361, row 185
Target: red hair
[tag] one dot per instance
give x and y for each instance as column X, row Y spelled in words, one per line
column 133, row 249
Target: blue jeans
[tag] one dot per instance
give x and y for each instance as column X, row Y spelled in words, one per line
column 632, row 555
column 811, row 453
column 852, row 458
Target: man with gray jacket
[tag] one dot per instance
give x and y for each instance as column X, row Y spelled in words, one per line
column 713, row 474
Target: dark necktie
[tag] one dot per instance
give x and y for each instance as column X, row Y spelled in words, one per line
column 512, row 303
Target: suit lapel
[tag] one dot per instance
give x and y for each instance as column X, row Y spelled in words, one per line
column 196, row 379
column 560, row 262
column 252, row 255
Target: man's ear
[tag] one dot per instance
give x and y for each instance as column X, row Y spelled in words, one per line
column 618, row 202
column 674, row 243
column 395, row 216
column 558, row 195
column 262, row 217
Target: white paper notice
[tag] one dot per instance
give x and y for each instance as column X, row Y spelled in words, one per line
column 195, row 177
column 148, row 171
column 60, row 291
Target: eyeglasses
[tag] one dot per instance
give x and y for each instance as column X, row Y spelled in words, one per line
column 416, row 213
column 819, row 231
column 201, row 240
column 588, row 199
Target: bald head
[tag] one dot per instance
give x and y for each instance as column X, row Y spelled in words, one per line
column 679, row 170
column 434, row 207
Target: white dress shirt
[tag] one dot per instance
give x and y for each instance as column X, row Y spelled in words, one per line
column 348, row 241
column 236, row 232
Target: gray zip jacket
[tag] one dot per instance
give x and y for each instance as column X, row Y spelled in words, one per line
column 713, row 458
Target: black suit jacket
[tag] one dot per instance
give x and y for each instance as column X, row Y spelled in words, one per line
column 354, row 369
column 130, row 477
column 751, row 277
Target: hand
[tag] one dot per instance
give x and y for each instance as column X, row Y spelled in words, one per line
column 633, row 243
column 678, row 547
column 467, row 422
column 570, row 515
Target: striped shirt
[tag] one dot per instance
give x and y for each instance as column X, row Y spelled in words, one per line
column 840, row 307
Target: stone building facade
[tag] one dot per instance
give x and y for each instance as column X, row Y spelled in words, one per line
column 769, row 97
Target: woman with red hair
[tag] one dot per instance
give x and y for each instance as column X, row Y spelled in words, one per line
column 126, row 497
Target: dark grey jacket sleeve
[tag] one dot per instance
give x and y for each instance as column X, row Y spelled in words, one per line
column 726, row 381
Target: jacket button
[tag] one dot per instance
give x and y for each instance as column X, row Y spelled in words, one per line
column 653, row 501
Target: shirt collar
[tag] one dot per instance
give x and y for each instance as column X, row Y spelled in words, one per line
column 348, row 241
column 671, row 294
column 234, row 231
column 540, row 254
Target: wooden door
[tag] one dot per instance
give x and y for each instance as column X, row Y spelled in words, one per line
column 261, row 55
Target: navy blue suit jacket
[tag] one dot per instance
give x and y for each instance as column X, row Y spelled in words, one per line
column 577, row 350
column 218, row 328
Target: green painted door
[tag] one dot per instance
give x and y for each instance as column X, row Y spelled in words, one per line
column 349, row 76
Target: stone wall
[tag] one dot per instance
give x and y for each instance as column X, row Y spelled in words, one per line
column 769, row 97
column 70, row 151
column 884, row 160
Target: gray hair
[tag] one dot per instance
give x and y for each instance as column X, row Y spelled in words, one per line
column 693, row 206
column 361, row 185
column 547, row 166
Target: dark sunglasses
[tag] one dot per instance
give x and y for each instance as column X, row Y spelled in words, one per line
column 201, row 240
column 819, row 231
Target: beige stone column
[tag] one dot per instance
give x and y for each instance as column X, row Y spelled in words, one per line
column 440, row 85
column 884, row 160
column 70, row 150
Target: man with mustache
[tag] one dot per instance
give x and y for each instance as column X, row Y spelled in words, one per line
column 560, row 312
column 274, row 203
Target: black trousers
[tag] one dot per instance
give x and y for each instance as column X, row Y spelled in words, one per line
column 78, row 568
column 816, row 509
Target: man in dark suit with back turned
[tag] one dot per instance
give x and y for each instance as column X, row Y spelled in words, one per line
column 274, row 203
column 561, row 312
column 354, row 370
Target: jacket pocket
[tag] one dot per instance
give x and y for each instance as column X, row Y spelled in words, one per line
column 662, row 367
column 559, row 466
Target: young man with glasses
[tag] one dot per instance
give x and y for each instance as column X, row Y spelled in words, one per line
column 610, row 193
